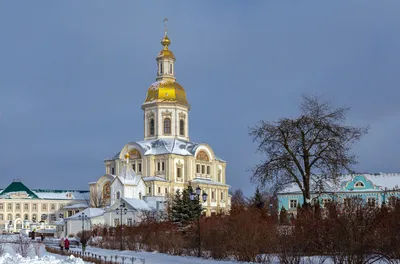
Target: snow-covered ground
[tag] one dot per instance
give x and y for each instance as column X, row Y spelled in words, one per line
column 10, row 257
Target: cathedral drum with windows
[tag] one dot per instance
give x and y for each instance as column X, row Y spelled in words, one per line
column 166, row 160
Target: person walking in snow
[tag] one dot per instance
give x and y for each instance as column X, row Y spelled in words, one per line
column 66, row 242
column 62, row 244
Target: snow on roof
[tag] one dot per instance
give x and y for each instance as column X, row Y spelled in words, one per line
column 207, row 181
column 168, row 146
column 137, row 204
column 75, row 206
column 379, row 180
column 62, row 194
column 128, row 175
column 89, row 212
column 154, row 178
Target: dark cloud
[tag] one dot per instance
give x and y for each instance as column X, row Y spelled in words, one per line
column 74, row 74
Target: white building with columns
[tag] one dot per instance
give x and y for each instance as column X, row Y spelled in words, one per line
column 166, row 160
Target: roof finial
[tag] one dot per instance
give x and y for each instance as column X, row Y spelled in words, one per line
column 165, row 40
column 165, row 26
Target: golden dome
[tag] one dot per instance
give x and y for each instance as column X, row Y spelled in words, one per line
column 165, row 41
column 127, row 156
column 166, row 53
column 166, row 91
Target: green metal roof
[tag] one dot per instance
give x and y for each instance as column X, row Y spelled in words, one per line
column 17, row 186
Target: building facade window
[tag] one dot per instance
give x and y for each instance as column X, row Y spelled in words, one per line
column 203, row 169
column 166, row 190
column 167, row 126
column 197, row 168
column 151, row 127
column 44, row 206
column 170, row 69
column 9, row 207
column 129, row 221
column 1, row 217
column 17, row 216
column 219, row 176
column 118, row 195
column 139, row 167
column 34, row 207
column 26, row 217
column 53, row 207
column 159, row 189
column 149, row 190
column 18, row 206
column 182, row 127
column 9, row 217
column 140, row 195
column 292, row 203
column 371, row 201
column 134, row 167
column 359, row 185
column 113, row 171
column 116, row 221
column 212, row 195
column 1, row 206
column 208, row 170
column 26, row 206
column 326, row 201
column 222, row 196
column 34, row 217
column 178, row 172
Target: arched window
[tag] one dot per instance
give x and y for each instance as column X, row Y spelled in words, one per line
column 17, row 216
column 26, row 217
column 118, row 195
column 34, row 217
column 151, row 127
column 167, row 126
column 182, row 127
column 359, row 185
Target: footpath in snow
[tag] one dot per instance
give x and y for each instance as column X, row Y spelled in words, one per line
column 157, row 258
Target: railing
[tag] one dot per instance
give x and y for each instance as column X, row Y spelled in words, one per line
column 98, row 258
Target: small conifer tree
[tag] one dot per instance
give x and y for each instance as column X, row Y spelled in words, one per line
column 283, row 216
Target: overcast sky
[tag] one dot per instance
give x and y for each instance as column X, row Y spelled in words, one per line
column 73, row 76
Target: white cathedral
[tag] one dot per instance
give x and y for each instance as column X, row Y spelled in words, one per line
column 152, row 170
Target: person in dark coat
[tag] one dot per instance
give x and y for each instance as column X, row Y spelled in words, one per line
column 42, row 237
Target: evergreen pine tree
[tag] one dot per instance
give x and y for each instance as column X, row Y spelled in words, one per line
column 258, row 200
column 283, row 216
column 184, row 210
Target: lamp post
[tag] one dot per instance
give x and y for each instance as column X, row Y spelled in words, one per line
column 83, row 217
column 122, row 210
column 196, row 197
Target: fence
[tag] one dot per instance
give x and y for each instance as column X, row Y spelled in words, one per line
column 98, row 258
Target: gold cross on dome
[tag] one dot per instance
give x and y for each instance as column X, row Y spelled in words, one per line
column 165, row 25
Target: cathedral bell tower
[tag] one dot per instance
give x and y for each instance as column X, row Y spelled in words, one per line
column 166, row 107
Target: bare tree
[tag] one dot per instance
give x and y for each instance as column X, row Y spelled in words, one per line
column 95, row 199
column 22, row 245
column 309, row 150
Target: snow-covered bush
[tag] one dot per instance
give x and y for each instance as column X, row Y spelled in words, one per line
column 22, row 245
column 1, row 246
